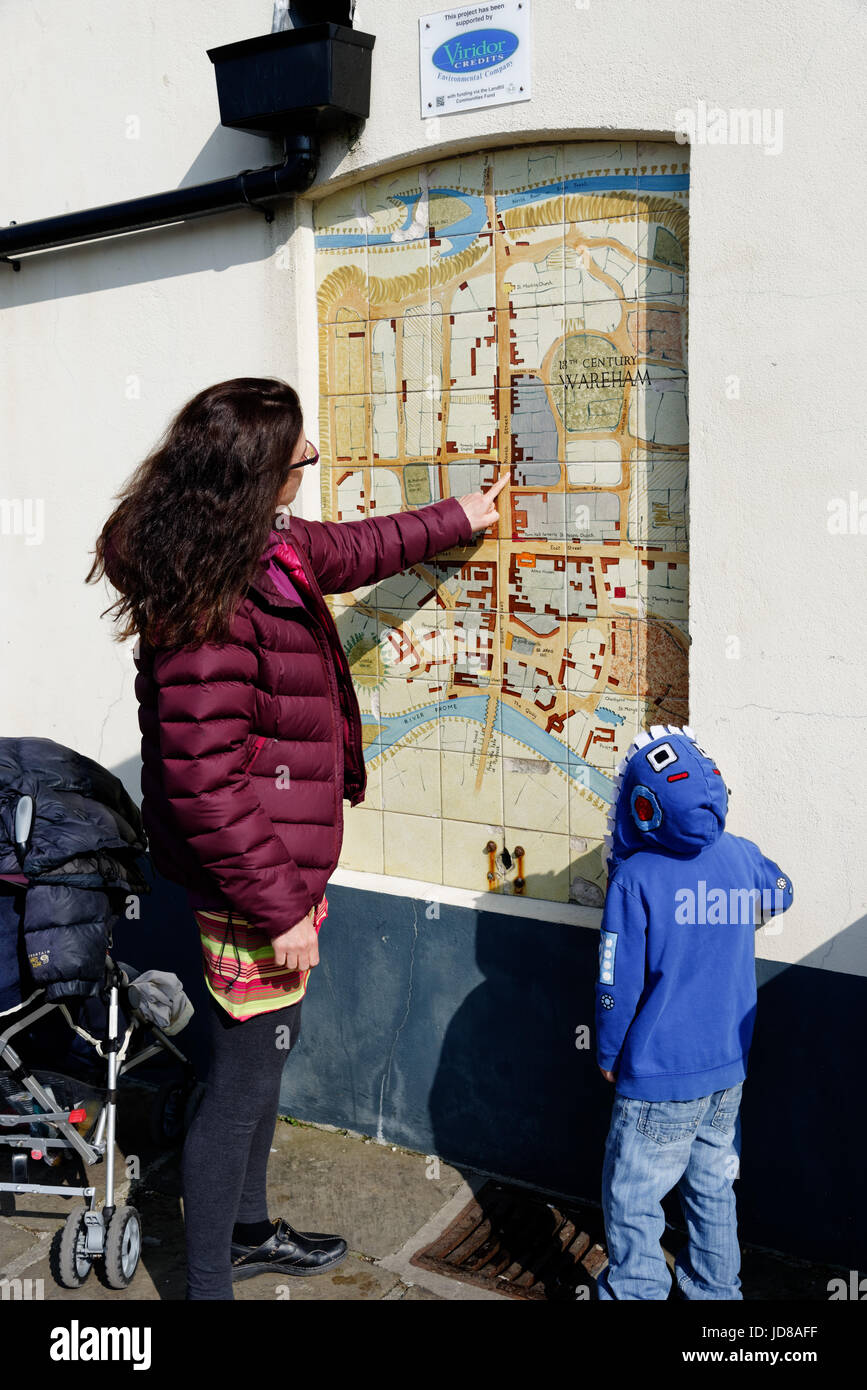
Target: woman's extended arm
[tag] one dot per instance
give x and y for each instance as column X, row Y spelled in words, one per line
column 349, row 554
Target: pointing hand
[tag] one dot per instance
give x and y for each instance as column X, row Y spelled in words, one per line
column 479, row 506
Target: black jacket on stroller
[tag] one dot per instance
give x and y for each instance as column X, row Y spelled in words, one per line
column 64, row 888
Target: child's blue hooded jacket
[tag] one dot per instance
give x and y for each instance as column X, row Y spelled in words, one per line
column 676, row 992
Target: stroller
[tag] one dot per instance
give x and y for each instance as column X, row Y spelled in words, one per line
column 69, row 839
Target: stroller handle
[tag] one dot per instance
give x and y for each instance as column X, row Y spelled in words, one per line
column 23, row 821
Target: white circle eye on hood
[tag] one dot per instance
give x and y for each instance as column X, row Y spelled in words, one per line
column 661, row 757
column 704, row 753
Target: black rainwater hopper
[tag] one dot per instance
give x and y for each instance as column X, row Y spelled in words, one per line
column 291, row 84
column 316, row 77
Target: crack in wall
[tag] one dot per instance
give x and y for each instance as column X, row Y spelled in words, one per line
column 350, row 1057
column 801, row 713
column 380, row 1138
column 108, row 713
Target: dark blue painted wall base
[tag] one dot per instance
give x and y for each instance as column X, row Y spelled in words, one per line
column 456, row 1036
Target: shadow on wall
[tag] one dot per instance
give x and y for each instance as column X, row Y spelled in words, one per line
column 802, row 1166
column 234, row 238
column 456, row 1033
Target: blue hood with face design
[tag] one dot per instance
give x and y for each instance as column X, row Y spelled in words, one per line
column 676, row 989
column 670, row 797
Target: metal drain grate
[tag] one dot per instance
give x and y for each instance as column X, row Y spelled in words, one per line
column 516, row 1243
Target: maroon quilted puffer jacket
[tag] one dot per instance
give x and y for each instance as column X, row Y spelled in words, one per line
column 219, row 722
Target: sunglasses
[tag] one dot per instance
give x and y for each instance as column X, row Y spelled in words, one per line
column 308, row 457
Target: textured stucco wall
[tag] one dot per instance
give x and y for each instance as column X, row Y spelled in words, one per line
column 101, row 343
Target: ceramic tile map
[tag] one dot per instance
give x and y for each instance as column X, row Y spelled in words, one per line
column 520, row 309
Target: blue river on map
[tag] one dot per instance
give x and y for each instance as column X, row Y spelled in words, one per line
column 470, row 225
column 510, row 721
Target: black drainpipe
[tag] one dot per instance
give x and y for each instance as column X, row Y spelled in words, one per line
column 253, row 188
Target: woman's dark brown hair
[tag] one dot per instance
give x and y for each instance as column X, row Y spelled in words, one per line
column 193, row 519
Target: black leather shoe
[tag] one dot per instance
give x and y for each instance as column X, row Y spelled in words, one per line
column 289, row 1252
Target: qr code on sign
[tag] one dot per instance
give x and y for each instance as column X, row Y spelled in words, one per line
column 441, row 101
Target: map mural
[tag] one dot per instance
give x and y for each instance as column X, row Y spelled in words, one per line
column 520, row 309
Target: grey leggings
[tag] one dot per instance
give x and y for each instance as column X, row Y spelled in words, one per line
column 225, row 1157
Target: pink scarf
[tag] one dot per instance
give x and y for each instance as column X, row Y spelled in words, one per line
column 279, row 550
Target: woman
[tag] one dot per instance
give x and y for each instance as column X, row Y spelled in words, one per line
column 251, row 738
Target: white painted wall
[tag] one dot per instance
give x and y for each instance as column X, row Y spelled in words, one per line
column 102, row 343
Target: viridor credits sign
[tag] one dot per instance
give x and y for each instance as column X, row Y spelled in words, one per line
column 475, row 55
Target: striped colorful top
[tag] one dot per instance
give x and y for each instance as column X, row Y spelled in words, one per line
column 240, row 970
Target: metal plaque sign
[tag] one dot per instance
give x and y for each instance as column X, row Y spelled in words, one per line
column 474, row 55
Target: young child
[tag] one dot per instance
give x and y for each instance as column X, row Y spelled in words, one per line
column 675, row 1005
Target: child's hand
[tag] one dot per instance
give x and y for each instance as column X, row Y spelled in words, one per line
column 609, row 1075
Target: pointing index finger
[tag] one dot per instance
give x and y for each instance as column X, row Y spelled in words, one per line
column 497, row 486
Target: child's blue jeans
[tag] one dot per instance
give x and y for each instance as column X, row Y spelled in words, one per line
column 652, row 1147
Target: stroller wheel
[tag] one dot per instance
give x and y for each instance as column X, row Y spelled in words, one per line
column 122, row 1247
column 194, row 1100
column 167, row 1113
column 72, row 1261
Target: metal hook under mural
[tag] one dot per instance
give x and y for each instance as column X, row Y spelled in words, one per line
column 522, row 308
